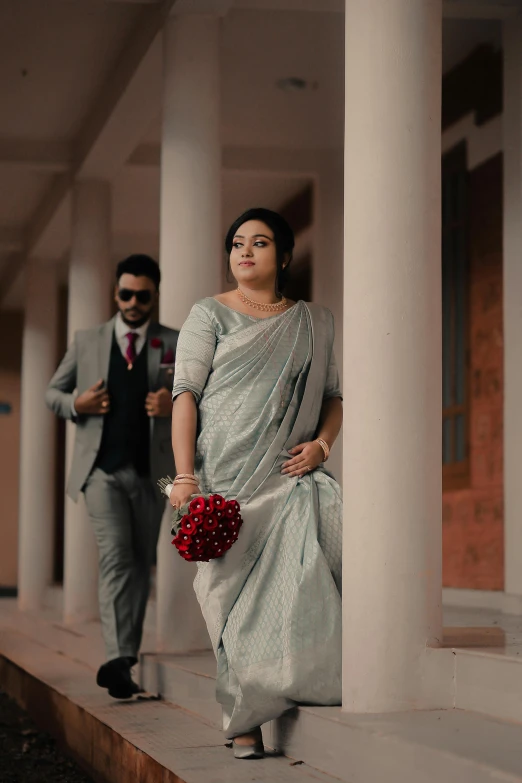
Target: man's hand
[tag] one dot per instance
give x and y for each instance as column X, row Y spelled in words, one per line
column 159, row 403
column 93, row 402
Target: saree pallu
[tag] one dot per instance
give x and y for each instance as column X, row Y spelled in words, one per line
column 272, row 604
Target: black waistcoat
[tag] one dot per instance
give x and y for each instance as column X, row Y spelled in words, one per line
column 126, row 428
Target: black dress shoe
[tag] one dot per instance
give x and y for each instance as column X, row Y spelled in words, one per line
column 116, row 676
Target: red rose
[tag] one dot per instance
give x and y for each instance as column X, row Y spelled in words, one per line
column 209, row 506
column 188, row 525
column 210, row 523
column 155, row 342
column 218, row 501
column 185, row 541
column 233, row 504
column 197, row 506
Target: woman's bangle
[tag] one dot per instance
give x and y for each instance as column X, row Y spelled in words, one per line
column 185, row 476
column 186, row 481
column 325, row 447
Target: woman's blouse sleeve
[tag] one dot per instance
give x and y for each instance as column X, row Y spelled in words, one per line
column 194, row 353
column 332, row 388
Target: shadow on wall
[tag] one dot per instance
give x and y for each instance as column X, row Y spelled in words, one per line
column 299, row 213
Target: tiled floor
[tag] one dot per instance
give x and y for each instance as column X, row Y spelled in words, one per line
column 456, row 744
column 471, row 629
column 138, row 740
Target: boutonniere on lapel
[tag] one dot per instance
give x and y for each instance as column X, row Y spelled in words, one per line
column 155, row 343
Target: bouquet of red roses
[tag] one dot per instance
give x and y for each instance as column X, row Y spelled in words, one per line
column 206, row 527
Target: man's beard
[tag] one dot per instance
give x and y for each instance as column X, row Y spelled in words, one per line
column 136, row 323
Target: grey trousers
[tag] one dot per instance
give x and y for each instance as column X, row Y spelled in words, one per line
column 125, row 512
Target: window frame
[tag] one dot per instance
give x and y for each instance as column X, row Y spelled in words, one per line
column 456, row 475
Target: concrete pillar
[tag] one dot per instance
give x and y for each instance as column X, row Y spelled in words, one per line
column 512, row 130
column 392, row 351
column 190, row 252
column 90, row 282
column 37, row 437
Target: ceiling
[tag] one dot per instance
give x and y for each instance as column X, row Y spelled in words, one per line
column 63, row 61
column 460, row 37
column 54, row 57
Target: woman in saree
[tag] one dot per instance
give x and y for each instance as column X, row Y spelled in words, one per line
column 257, row 407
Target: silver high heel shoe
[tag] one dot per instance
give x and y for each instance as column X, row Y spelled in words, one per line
column 255, row 751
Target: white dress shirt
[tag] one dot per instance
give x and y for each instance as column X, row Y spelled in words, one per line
column 121, row 329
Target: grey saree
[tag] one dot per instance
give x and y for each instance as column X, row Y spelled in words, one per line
column 272, row 604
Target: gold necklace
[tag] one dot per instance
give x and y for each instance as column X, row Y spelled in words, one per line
column 267, row 308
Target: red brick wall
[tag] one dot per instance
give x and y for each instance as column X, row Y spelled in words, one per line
column 473, row 518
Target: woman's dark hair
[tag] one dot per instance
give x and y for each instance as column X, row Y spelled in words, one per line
column 283, row 238
column 140, row 265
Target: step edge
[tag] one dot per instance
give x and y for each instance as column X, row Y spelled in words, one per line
column 377, row 732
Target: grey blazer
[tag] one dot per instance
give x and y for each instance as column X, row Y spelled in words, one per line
column 86, row 361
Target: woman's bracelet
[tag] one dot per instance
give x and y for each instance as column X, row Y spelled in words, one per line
column 325, row 447
column 186, row 481
column 185, row 476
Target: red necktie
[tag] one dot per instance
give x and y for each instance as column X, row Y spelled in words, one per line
column 130, row 353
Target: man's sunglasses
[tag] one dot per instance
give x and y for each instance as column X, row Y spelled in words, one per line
column 143, row 296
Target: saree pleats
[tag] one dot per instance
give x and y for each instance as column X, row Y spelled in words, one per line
column 272, row 604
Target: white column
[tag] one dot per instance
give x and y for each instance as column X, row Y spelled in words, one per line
column 190, row 252
column 512, row 130
column 191, row 244
column 90, row 281
column 37, row 437
column 392, row 351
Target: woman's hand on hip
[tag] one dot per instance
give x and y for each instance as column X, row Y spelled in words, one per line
column 305, row 457
column 181, row 494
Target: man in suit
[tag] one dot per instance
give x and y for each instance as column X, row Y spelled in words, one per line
column 114, row 382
